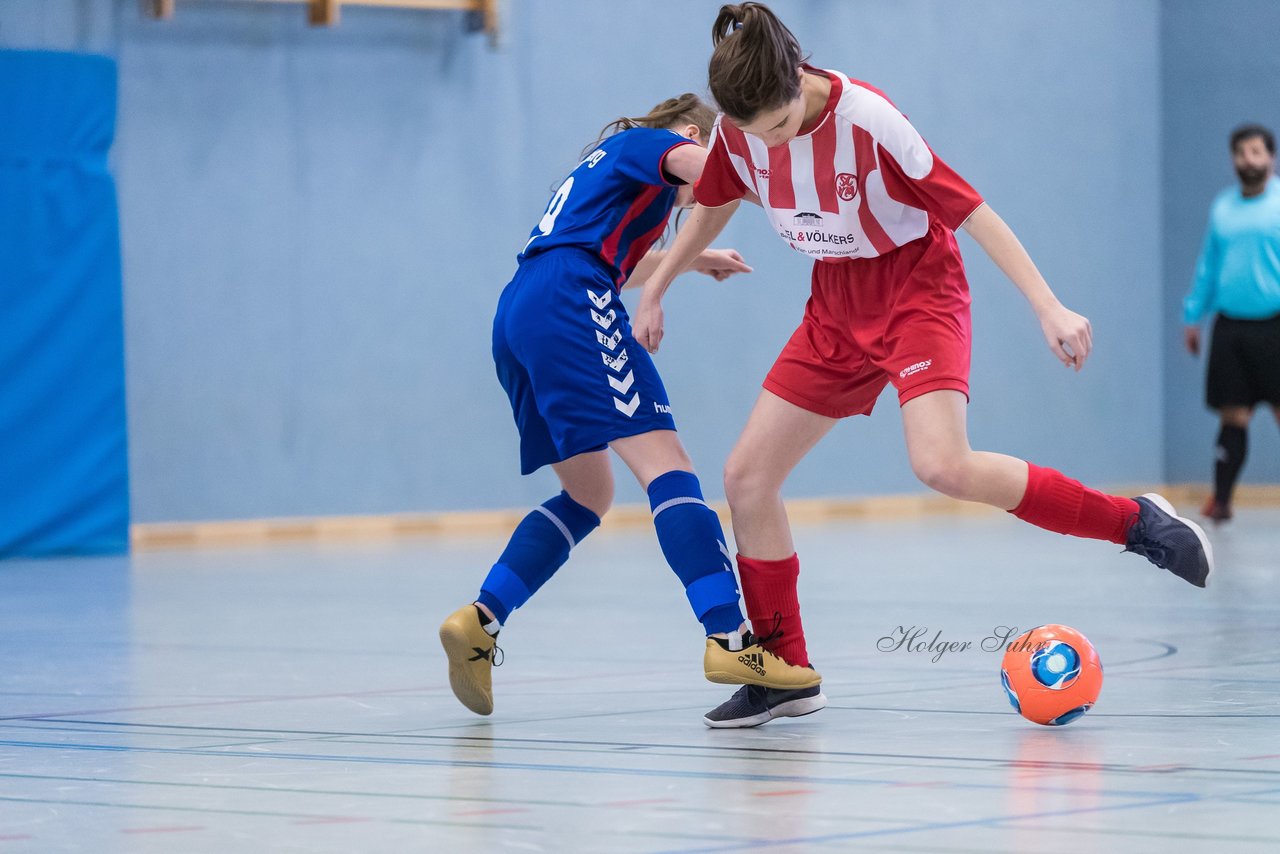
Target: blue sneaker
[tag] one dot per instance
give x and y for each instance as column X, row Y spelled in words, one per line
column 752, row 705
column 1169, row 541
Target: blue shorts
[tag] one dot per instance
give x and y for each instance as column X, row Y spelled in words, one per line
column 563, row 348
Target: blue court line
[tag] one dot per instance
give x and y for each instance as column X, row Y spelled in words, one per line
column 834, row 759
column 91, row 730
column 391, row 796
column 1004, row 713
column 1254, row 797
column 1208, row 677
column 1215, row 665
column 67, row 645
column 724, row 749
column 390, row 693
column 568, row 769
column 1152, row 833
column 1166, row 650
column 972, row 678
column 950, row 825
column 262, row 813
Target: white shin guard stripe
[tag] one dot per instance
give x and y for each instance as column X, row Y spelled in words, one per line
column 555, row 520
column 672, row 502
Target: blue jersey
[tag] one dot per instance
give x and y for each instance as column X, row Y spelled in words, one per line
column 615, row 203
column 1239, row 269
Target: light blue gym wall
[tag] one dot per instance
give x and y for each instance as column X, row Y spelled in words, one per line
column 317, row 224
column 1221, row 68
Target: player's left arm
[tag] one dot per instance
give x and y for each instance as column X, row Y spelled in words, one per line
column 719, row 264
column 1068, row 334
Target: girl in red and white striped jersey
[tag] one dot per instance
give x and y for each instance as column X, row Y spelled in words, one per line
column 847, row 181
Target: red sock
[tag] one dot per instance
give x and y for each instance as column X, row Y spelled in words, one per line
column 769, row 588
column 1057, row 503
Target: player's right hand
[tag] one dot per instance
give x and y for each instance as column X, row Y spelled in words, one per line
column 1191, row 336
column 646, row 325
column 1069, row 335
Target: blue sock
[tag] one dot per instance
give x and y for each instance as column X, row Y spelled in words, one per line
column 693, row 543
column 539, row 546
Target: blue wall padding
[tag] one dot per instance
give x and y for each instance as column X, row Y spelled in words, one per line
column 64, row 486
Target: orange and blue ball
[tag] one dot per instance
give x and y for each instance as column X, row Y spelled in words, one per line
column 1051, row 674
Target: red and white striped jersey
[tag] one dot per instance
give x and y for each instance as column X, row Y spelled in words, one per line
column 860, row 184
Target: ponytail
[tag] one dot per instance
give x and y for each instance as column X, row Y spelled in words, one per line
column 754, row 64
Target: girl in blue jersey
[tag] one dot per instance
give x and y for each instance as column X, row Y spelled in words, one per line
column 579, row 385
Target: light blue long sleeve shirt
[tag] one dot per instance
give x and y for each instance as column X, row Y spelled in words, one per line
column 1239, row 269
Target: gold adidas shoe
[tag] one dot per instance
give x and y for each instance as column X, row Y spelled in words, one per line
column 752, row 664
column 471, row 651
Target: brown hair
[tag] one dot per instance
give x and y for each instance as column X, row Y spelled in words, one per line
column 687, row 109
column 753, row 67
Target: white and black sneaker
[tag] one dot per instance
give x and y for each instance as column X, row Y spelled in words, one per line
column 1169, row 541
column 752, row 705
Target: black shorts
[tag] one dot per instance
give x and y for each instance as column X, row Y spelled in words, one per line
column 1244, row 363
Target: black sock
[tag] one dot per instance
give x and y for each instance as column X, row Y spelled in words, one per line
column 1233, row 442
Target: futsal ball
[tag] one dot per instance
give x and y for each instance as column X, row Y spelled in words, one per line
column 1052, row 675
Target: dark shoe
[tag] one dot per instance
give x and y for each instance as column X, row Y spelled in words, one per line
column 1170, row 541
column 752, row 705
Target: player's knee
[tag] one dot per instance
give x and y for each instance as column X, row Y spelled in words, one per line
column 1237, row 416
column 942, row 473
column 596, row 497
column 744, row 483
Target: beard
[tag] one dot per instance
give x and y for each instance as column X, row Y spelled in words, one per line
column 1251, row 176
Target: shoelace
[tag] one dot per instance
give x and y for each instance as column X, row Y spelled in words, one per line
column 1156, row 550
column 774, row 633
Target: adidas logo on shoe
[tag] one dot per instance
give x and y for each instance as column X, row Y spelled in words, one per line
column 753, row 660
column 750, row 664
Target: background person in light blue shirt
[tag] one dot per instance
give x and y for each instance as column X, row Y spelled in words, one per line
column 1238, row 277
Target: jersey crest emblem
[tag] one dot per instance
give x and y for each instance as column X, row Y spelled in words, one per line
column 846, row 186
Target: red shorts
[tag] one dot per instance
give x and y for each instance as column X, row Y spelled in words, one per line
column 901, row 318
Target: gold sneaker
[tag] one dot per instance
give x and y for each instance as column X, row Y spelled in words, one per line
column 471, row 651
column 752, row 664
